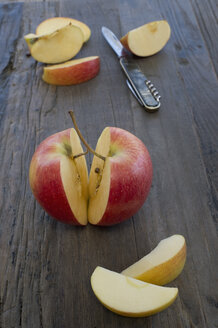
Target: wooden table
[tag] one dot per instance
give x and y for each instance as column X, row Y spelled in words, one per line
column 45, row 266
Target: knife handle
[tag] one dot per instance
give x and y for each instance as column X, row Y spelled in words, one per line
column 144, row 90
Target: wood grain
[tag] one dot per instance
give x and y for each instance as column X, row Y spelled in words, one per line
column 45, row 266
column 180, row 152
column 206, row 15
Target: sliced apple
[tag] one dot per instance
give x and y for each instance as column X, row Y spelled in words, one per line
column 163, row 264
column 58, row 180
column 52, row 24
column 99, row 179
column 119, row 181
column 130, row 297
column 56, row 47
column 147, row 39
column 72, row 72
column 119, row 185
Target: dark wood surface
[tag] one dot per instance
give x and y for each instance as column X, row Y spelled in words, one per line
column 45, row 266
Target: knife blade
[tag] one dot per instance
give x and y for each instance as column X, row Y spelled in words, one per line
column 141, row 87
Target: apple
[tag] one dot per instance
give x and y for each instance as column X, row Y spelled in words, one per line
column 130, row 297
column 119, row 185
column 55, row 47
column 161, row 265
column 52, row 24
column 53, row 172
column 119, row 180
column 147, row 39
column 72, row 72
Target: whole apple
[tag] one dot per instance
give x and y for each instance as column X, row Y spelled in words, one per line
column 119, row 181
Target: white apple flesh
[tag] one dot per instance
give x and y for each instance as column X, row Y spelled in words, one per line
column 52, row 24
column 130, row 297
column 59, row 182
column 55, row 47
column 147, row 39
column 118, row 186
column 163, row 264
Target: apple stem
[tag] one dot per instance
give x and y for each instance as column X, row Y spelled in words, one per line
column 80, row 154
column 82, row 138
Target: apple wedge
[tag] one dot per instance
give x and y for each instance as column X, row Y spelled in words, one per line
column 59, row 180
column 52, row 24
column 72, row 72
column 130, row 297
column 163, row 264
column 119, row 185
column 147, row 39
column 55, row 47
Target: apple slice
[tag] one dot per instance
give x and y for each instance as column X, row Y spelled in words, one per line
column 119, row 185
column 60, row 182
column 72, row 72
column 52, row 24
column 163, row 264
column 130, row 297
column 147, row 39
column 56, row 47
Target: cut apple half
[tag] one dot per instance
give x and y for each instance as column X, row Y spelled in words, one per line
column 161, row 265
column 52, row 24
column 130, row 297
column 58, row 180
column 119, row 185
column 147, row 39
column 72, row 72
column 57, row 46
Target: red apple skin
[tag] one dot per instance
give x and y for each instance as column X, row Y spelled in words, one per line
column 131, row 177
column 45, row 179
column 74, row 74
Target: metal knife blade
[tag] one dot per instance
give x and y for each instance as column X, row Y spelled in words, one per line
column 115, row 44
column 141, row 87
